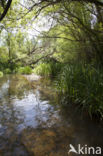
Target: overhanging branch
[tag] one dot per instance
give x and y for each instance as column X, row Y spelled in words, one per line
column 5, row 10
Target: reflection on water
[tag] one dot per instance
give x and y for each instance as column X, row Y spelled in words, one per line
column 33, row 123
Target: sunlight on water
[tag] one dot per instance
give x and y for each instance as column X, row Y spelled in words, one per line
column 32, row 122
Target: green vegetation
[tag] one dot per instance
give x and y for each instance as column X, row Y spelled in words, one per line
column 43, row 69
column 1, row 74
column 7, row 71
column 84, row 85
column 64, row 42
column 24, row 70
column 48, row 69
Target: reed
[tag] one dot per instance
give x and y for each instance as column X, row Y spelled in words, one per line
column 84, row 85
column 48, row 69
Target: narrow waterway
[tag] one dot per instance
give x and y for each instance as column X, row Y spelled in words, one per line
column 34, row 123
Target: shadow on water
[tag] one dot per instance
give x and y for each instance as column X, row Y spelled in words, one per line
column 32, row 122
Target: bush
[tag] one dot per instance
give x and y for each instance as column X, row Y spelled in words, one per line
column 1, row 74
column 24, row 70
column 84, row 85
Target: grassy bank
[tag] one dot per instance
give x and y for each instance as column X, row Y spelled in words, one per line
column 84, row 86
column 82, row 83
column 17, row 70
column 48, row 69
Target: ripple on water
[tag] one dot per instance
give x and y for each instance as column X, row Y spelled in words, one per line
column 32, row 123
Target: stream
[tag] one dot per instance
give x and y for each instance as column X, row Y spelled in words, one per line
column 34, row 123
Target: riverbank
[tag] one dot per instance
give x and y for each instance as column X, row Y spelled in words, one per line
column 82, row 84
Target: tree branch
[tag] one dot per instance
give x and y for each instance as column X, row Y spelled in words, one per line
column 5, row 10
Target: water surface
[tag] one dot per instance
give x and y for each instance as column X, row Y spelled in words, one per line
column 34, row 123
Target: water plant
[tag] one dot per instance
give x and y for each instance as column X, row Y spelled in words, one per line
column 43, row 69
column 84, row 86
column 24, row 70
column 48, row 69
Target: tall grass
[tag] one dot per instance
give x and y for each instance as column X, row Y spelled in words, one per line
column 24, row 70
column 84, row 86
column 48, row 69
column 43, row 69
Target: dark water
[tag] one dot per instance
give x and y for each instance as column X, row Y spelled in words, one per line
column 33, row 123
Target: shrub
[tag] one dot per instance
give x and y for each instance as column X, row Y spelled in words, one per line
column 1, row 74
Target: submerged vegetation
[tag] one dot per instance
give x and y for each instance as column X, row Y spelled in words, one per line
column 62, row 40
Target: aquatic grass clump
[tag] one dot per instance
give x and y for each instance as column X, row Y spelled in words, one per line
column 1, row 74
column 43, row 69
column 84, row 86
column 7, row 71
column 24, row 70
column 48, row 69
column 56, row 68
